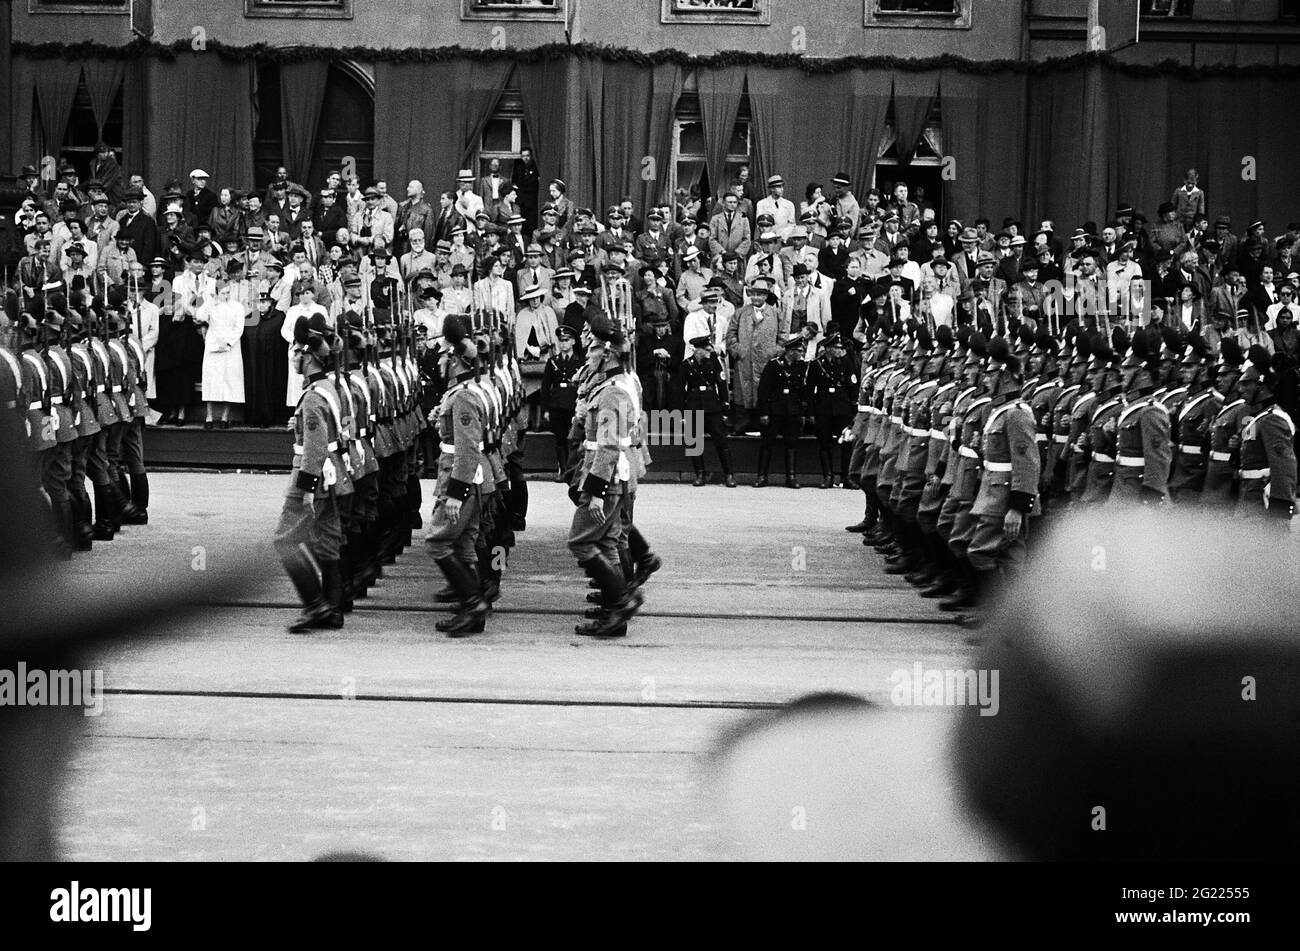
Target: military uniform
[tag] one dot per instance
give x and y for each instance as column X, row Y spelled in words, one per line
column 1268, row 463
column 1191, row 435
column 781, row 399
column 833, row 386
column 1012, row 468
column 1221, row 468
column 1143, row 452
column 559, row 397
column 703, row 385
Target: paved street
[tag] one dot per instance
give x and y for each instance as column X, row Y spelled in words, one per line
column 228, row 738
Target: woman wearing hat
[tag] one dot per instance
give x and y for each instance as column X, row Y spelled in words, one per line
column 223, row 361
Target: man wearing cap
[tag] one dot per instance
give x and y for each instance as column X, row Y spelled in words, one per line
column 844, row 206
column 780, row 208
column 559, row 392
column 372, row 227
column 729, row 230
column 909, row 214
column 200, row 199
column 330, row 214
column 533, row 273
column 752, row 342
column 781, row 402
column 1266, row 443
column 695, row 278
column 710, row 316
column 468, row 203
column 702, row 383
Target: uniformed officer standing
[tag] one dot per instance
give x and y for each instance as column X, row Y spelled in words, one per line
column 703, row 382
column 310, row 533
column 465, row 479
column 1008, row 493
column 41, row 421
column 56, row 462
column 133, row 478
column 832, row 399
column 606, row 475
column 559, row 392
column 1268, row 462
column 780, row 408
column 87, row 423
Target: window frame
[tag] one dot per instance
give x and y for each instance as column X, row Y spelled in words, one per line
column 761, row 15
column 298, row 9
column 733, row 158
column 123, row 7
column 506, row 14
column 873, row 16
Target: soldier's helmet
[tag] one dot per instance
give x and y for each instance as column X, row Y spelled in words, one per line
column 1006, row 373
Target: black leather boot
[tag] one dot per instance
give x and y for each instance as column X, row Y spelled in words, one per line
column 701, row 476
column 791, row 465
column 967, row 591
column 331, row 573
column 84, row 532
column 316, row 610
column 490, row 577
column 103, row 526
column 347, row 566
column 728, row 470
column 65, row 533
column 619, row 602
column 828, row 480
column 472, row 613
column 139, row 513
column 764, row 463
column 945, row 581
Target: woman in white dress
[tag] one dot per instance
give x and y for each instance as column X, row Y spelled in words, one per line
column 223, row 362
column 304, row 295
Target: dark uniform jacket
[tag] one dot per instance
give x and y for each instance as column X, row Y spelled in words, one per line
column 703, row 384
column 832, row 387
column 781, row 388
column 558, row 388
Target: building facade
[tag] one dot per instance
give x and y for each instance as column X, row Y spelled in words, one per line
column 985, row 104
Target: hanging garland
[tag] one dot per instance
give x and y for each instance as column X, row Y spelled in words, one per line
column 588, row 51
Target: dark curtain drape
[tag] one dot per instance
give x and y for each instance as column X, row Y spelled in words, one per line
column 1278, row 153
column 7, row 91
column 665, row 91
column 864, row 126
column 960, row 100
column 302, row 94
column 1140, row 171
column 593, row 127
column 800, row 126
column 135, row 115
column 194, row 128
column 56, row 88
column 544, row 91
column 103, row 80
column 775, row 103
column 720, row 91
column 914, row 95
column 25, row 147
column 1055, row 144
column 627, row 107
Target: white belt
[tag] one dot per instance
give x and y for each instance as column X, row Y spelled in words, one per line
column 116, row 389
column 1221, row 456
column 1255, row 473
column 1062, row 439
column 874, row 410
column 864, row 409
column 938, row 434
column 589, row 444
column 917, row 432
column 1040, row 437
column 1102, row 457
column 56, row 400
column 331, row 447
column 37, row 405
column 449, row 447
column 1194, row 450
column 968, row 452
column 896, row 420
column 997, row 466
column 1132, row 461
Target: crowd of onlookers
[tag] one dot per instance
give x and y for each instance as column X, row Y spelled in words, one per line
column 227, row 269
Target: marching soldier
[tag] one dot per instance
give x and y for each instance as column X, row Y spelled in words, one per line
column 1191, row 425
column 1008, row 494
column 1101, row 437
column 1268, row 462
column 132, row 477
column 780, row 409
column 605, row 476
column 465, row 479
column 56, row 462
column 703, row 382
column 1143, row 449
column 911, row 455
column 931, row 402
column 310, row 533
column 87, row 423
column 1225, row 430
column 41, row 420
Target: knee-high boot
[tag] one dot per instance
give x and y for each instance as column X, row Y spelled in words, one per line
column 764, row 464
column 470, row 617
column 139, row 513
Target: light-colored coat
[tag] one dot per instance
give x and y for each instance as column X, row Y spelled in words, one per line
column 752, row 342
column 223, row 362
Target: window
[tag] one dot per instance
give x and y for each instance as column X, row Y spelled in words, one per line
column 936, row 14
column 77, row 6
column 84, row 132
column 503, row 140
column 689, row 167
column 743, row 12
column 1167, row 8
column 546, row 10
column 302, row 9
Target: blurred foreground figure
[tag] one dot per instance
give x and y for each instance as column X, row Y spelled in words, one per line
column 1150, row 694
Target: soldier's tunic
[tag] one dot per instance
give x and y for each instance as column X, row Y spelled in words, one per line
column 862, row 417
column 97, row 464
column 40, row 420
column 833, row 387
column 942, row 409
column 1103, row 439
column 1221, row 468
column 120, row 394
column 1192, row 435
column 965, row 461
column 914, row 448
column 1012, row 467
column 873, row 430
column 1143, row 451
column 781, row 399
column 1076, row 451
column 134, row 385
column 318, row 468
column 1042, row 398
column 56, row 462
column 1268, row 463
column 607, row 471
column 84, row 414
column 891, row 432
column 464, row 472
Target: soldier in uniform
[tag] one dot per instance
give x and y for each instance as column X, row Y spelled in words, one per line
column 911, row 449
column 361, row 507
column 874, row 363
column 132, row 477
column 1101, row 438
column 1044, row 385
column 876, row 457
column 833, row 385
column 465, row 479
column 41, row 419
column 1268, row 462
column 1219, row 488
column 605, row 475
column 56, row 462
column 310, row 532
column 87, row 423
column 1191, row 425
column 1143, row 447
column 1008, row 493
column 703, row 382
column 780, row 408
column 559, row 392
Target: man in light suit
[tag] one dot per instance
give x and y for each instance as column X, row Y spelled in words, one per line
column 729, row 230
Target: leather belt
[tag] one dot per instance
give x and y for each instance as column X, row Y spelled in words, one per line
column 626, row 443
column 1061, row 438
column 56, row 400
column 1040, row 437
column 1255, row 473
column 938, row 434
column 861, row 409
